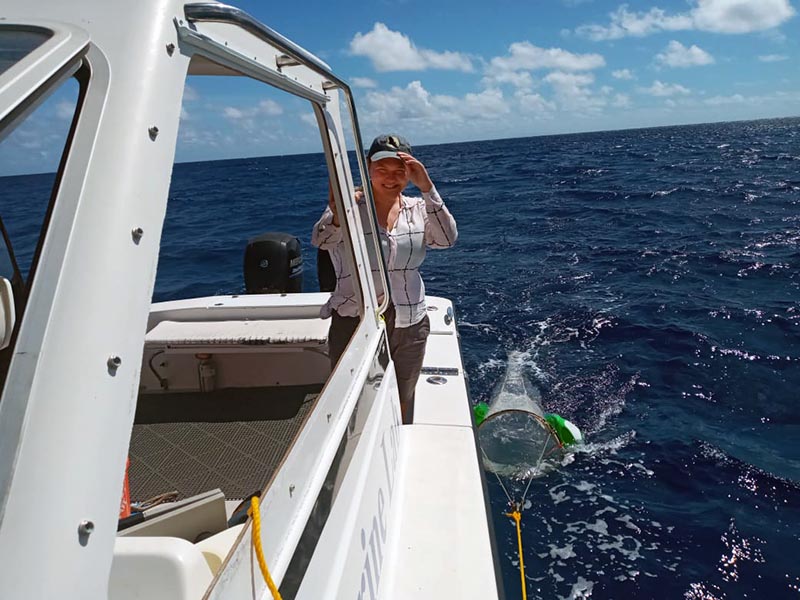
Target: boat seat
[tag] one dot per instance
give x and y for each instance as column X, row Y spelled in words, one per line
column 157, row 568
column 216, row 548
column 191, row 335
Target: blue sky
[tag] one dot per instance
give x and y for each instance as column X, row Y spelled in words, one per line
column 442, row 71
column 445, row 71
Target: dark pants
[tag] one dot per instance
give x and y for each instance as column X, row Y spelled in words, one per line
column 407, row 347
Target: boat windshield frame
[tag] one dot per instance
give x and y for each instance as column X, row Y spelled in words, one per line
column 29, row 81
column 18, row 41
column 25, row 85
column 208, row 12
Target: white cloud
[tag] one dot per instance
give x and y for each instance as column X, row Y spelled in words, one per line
column 415, row 110
column 189, row 93
column 622, row 74
column 625, row 23
column 723, row 100
column 788, row 99
column 621, row 101
column 561, row 79
column 572, row 91
column 196, row 136
column 772, row 57
column 412, row 102
column 719, row 16
column 678, row 55
column 488, row 104
column 534, row 103
column 269, row 108
column 229, row 112
column 419, row 113
column 741, row 16
column 519, row 79
column 249, row 118
column 309, row 119
column 524, row 56
column 615, row 99
column 364, row 82
column 665, row 89
column 65, row 110
column 393, row 51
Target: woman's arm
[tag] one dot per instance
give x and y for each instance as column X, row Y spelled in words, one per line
column 440, row 226
column 326, row 233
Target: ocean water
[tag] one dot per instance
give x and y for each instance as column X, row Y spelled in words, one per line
column 648, row 279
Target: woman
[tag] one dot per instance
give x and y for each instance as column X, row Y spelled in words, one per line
column 406, row 227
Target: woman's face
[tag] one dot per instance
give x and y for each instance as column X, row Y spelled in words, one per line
column 389, row 177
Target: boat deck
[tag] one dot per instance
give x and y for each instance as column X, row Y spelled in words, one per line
column 441, row 514
column 232, row 439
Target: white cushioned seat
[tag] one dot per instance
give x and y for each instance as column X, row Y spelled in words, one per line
column 182, row 334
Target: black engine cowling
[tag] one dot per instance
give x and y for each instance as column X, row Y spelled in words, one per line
column 273, row 264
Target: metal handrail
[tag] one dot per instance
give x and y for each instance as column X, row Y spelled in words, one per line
column 222, row 13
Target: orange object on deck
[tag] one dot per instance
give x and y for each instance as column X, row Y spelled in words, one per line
column 125, row 503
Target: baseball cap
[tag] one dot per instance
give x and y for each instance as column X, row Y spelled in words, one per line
column 387, row 146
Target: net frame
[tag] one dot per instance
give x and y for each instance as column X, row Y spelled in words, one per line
column 542, row 421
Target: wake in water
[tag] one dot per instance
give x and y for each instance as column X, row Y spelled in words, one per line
column 579, row 530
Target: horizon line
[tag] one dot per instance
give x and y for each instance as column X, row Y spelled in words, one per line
column 543, row 135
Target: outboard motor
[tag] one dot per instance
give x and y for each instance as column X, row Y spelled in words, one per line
column 273, row 264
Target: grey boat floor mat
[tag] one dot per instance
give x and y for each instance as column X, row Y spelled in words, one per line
column 232, row 439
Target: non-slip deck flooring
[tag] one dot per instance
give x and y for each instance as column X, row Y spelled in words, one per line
column 232, row 439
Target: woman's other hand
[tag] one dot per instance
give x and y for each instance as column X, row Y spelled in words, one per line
column 332, row 205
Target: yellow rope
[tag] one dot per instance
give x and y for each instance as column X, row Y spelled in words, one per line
column 515, row 514
column 255, row 514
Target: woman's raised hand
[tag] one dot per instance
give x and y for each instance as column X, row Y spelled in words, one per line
column 417, row 172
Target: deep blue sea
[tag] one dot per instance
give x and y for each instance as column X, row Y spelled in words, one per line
column 650, row 279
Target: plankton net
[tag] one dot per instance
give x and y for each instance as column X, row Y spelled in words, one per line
column 515, row 437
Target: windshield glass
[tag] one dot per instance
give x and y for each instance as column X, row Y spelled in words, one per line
column 29, row 160
column 17, row 42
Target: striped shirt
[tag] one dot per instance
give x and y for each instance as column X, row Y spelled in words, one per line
column 422, row 222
